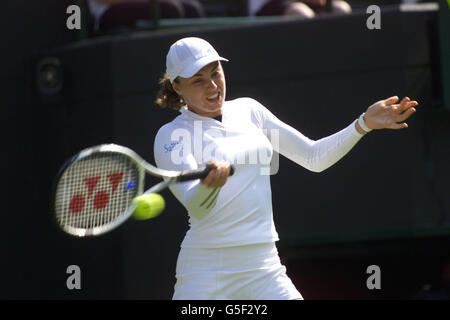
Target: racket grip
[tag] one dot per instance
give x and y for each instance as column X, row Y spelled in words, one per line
column 198, row 174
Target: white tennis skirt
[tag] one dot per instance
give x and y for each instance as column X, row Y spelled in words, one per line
column 251, row 272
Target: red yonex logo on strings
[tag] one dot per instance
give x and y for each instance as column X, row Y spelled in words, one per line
column 101, row 197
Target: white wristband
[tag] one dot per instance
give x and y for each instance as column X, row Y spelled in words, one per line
column 362, row 124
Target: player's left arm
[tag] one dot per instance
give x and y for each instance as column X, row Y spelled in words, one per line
column 318, row 155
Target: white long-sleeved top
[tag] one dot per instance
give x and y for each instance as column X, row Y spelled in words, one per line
column 239, row 213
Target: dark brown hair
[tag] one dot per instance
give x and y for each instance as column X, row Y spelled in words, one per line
column 166, row 96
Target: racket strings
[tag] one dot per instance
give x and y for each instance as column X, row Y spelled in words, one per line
column 95, row 190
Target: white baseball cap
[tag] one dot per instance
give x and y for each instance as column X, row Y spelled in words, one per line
column 188, row 55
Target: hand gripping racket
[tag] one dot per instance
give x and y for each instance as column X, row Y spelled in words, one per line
column 94, row 189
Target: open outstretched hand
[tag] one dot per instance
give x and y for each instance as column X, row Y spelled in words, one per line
column 388, row 114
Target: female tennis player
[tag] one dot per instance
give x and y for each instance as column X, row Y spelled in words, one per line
column 229, row 251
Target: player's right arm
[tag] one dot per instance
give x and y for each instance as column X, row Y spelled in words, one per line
column 197, row 196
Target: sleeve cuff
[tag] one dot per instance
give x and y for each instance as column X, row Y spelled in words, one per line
column 355, row 131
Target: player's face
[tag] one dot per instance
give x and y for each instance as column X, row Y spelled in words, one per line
column 204, row 93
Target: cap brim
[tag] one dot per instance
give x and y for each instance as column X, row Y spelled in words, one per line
column 195, row 67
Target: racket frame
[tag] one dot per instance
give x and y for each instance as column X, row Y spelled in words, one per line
column 142, row 166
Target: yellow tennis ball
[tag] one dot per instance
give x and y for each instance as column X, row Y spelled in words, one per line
column 148, row 206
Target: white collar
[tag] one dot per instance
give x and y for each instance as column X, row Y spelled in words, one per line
column 188, row 113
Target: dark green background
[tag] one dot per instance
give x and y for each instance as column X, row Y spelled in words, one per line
column 385, row 203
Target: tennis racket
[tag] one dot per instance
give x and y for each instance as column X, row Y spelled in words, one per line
column 94, row 189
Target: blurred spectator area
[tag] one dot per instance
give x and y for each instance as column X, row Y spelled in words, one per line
column 220, row 8
column 216, row 10
column 232, row 8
